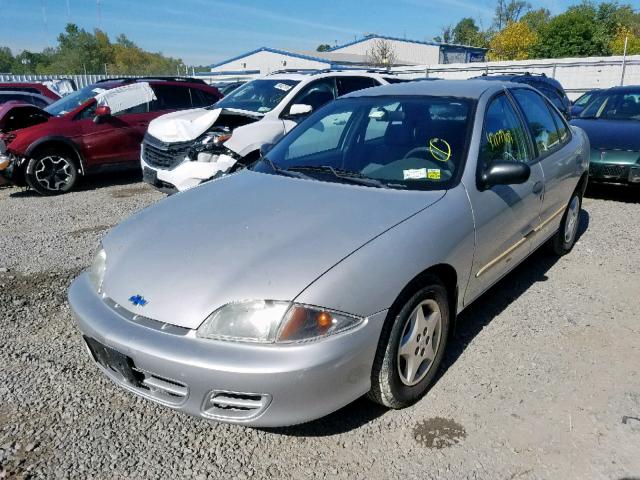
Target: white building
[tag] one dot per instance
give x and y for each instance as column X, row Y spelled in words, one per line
column 351, row 55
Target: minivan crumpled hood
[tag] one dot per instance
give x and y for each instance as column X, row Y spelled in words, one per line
column 245, row 236
column 186, row 125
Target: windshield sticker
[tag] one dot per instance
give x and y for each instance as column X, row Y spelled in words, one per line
column 264, row 109
column 499, row 138
column 440, row 149
column 282, row 86
column 415, row 174
column 433, row 174
column 126, row 97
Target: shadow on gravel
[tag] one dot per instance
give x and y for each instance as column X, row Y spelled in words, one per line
column 94, row 182
column 469, row 324
column 616, row 193
column 493, row 302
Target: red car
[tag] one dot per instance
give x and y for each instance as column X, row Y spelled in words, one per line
column 97, row 128
column 38, row 88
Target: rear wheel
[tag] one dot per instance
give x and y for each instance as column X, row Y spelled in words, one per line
column 565, row 238
column 51, row 172
column 411, row 348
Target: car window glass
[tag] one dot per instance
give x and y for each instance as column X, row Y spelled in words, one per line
column 316, row 94
column 260, row 96
column 170, row 97
column 88, row 112
column 324, row 135
column 423, row 145
column 614, row 105
column 352, row 84
column 561, row 124
column 201, row 98
column 541, row 124
column 553, row 96
column 503, row 136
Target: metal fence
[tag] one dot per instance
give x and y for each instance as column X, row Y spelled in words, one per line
column 80, row 80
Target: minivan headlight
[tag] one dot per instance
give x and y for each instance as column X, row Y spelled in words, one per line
column 97, row 269
column 267, row 321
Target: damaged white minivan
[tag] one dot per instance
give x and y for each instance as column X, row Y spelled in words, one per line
column 183, row 149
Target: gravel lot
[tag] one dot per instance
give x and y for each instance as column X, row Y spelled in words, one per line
column 541, row 381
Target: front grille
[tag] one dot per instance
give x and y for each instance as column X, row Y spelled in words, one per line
column 162, row 154
column 234, row 406
column 608, row 171
column 163, row 389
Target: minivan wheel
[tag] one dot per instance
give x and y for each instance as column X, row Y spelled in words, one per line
column 565, row 238
column 411, row 348
column 51, row 173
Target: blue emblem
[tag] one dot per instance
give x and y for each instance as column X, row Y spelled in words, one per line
column 138, row 300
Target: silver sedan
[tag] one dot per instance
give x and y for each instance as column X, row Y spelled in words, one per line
column 336, row 266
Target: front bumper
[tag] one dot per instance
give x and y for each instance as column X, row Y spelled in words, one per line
column 250, row 384
column 187, row 174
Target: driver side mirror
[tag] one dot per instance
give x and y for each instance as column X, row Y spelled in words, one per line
column 102, row 113
column 504, row 173
column 300, row 109
column 265, row 148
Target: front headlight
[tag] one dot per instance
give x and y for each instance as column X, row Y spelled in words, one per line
column 266, row 321
column 97, row 269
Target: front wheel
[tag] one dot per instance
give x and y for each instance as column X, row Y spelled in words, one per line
column 411, row 348
column 565, row 238
column 51, row 173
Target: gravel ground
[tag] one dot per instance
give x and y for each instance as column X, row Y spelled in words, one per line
column 541, row 381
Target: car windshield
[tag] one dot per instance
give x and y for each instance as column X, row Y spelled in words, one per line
column 259, row 96
column 414, row 143
column 73, row 100
column 614, row 105
column 584, row 99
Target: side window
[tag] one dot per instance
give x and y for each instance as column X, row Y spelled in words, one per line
column 140, row 108
column 88, row 112
column 503, row 135
column 316, row 93
column 171, row 97
column 561, row 125
column 351, row 84
column 553, row 96
column 380, row 120
column 541, row 124
column 201, row 98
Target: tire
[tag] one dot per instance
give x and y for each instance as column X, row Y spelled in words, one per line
column 392, row 383
column 51, row 172
column 565, row 238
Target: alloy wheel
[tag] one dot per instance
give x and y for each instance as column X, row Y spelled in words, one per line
column 419, row 342
column 571, row 223
column 53, row 172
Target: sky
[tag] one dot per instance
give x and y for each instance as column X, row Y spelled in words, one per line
column 202, row 32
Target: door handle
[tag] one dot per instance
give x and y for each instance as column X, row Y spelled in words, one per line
column 537, row 187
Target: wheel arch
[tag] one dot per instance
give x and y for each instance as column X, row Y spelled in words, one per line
column 57, row 142
column 446, row 273
column 582, row 183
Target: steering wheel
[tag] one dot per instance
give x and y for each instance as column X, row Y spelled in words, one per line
column 411, row 152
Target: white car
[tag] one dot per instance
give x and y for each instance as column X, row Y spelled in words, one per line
column 183, row 149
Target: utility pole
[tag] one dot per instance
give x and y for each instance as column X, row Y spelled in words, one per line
column 624, row 60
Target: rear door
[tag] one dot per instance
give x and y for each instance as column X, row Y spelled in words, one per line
column 556, row 151
column 505, row 215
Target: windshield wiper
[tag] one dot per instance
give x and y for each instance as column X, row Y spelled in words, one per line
column 348, row 175
column 280, row 170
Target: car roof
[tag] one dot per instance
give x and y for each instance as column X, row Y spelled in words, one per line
column 473, row 89
column 313, row 74
column 625, row 88
column 520, row 78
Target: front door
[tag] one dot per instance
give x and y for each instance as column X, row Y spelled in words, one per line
column 505, row 215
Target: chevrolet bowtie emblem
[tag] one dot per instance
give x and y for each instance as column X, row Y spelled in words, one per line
column 138, row 300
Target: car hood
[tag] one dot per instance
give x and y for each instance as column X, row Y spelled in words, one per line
column 611, row 134
column 183, row 126
column 10, row 112
column 245, row 236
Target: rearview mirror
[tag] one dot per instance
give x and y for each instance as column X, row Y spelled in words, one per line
column 102, row 112
column 299, row 109
column 504, row 173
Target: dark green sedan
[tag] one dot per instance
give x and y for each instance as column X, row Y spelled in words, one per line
column 612, row 122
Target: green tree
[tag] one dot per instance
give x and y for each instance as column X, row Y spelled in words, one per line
column 574, row 33
column 324, row 47
column 6, row 60
column 536, row 19
column 446, row 36
column 466, row 32
column 617, row 43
